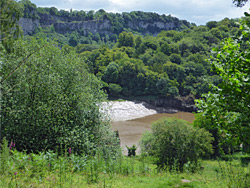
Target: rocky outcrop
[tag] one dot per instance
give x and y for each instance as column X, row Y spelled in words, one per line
column 147, row 26
column 29, row 25
column 93, row 26
column 104, row 25
column 180, row 104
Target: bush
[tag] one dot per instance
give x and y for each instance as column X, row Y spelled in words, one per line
column 175, row 143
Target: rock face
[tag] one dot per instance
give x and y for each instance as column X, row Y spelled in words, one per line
column 156, row 25
column 103, row 25
column 93, row 26
column 29, row 25
column 186, row 105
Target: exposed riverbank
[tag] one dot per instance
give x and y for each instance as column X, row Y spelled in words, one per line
column 128, row 110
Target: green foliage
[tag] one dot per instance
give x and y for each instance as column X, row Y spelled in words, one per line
column 48, row 169
column 175, row 58
column 22, row 168
column 146, row 144
column 211, row 24
column 73, row 40
column 240, row 3
column 227, row 105
column 131, row 150
column 175, row 143
column 222, row 143
column 9, row 28
column 169, row 65
column 4, row 156
column 233, row 176
column 114, row 90
column 165, row 64
column 111, row 73
column 50, row 101
column 126, row 39
column 29, row 9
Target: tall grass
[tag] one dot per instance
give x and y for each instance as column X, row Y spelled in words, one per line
column 49, row 169
column 233, row 174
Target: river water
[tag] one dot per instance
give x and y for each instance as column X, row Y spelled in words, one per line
column 130, row 131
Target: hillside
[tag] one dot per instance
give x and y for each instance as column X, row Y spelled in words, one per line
column 93, row 22
column 142, row 56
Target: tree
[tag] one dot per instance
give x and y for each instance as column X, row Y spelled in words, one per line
column 138, row 42
column 222, row 143
column 228, row 103
column 90, row 15
column 126, row 39
column 240, row 3
column 175, row 58
column 211, row 24
column 73, row 41
column 111, row 73
column 174, row 71
column 114, row 89
column 127, row 77
column 30, row 9
column 216, row 32
column 53, row 11
column 51, row 101
column 163, row 86
column 10, row 13
column 165, row 48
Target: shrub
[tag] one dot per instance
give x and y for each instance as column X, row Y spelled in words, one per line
column 131, row 150
column 175, row 143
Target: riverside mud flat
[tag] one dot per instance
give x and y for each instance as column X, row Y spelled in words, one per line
column 133, row 119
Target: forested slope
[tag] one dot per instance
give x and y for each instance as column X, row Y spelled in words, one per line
column 137, row 55
column 169, row 65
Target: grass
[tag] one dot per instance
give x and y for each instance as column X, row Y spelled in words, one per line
column 47, row 169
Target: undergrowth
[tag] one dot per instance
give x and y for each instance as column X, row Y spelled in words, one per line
column 49, row 169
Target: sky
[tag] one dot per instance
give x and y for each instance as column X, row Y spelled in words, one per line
column 195, row 11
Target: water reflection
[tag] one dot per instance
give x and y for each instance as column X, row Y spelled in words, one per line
column 130, row 131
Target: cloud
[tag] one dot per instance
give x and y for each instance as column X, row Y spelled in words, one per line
column 197, row 11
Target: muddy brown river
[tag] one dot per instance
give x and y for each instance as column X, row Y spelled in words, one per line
column 131, row 131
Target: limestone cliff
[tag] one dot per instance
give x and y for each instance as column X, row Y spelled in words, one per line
column 93, row 26
column 29, row 25
column 103, row 25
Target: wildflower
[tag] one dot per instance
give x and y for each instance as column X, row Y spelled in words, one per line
column 11, row 145
column 69, row 151
column 15, row 173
